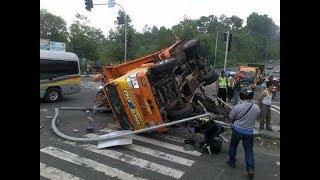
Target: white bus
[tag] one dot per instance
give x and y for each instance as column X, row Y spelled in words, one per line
column 59, row 75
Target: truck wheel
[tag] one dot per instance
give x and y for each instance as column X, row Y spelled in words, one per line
column 210, row 77
column 163, row 66
column 185, row 112
column 53, row 94
column 191, row 45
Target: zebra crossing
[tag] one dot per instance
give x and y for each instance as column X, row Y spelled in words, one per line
column 161, row 158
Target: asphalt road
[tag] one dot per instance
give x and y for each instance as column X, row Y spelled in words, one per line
column 151, row 156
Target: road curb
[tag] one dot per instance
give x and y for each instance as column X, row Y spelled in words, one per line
column 271, row 135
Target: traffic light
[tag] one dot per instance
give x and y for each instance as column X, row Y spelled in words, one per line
column 129, row 40
column 225, row 37
column 229, row 42
column 89, row 5
column 120, row 20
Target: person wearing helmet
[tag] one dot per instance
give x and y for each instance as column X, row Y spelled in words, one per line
column 243, row 117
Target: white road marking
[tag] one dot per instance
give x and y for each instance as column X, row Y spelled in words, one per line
column 155, row 153
column 278, row 107
column 55, row 174
column 175, row 173
column 159, row 143
column 74, row 158
column 275, row 110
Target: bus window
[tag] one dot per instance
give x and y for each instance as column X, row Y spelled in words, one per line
column 57, row 68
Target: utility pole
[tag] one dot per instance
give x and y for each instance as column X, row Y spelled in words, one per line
column 226, row 53
column 215, row 51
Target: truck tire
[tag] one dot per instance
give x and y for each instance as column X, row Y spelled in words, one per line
column 163, row 66
column 184, row 112
column 210, row 77
column 191, row 45
column 53, row 94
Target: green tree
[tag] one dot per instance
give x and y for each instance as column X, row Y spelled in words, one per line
column 85, row 41
column 262, row 24
column 236, row 22
column 53, row 27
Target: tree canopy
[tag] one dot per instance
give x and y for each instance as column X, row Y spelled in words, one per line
column 249, row 43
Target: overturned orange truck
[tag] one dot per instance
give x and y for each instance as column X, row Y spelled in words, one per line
column 158, row 88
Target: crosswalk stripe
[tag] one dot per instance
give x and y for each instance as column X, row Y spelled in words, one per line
column 275, row 106
column 273, row 109
column 159, row 143
column 155, row 153
column 55, row 174
column 175, row 173
column 74, row 158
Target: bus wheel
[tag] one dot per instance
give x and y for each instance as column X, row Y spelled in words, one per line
column 53, row 95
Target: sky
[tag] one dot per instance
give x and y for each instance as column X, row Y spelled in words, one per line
column 159, row 12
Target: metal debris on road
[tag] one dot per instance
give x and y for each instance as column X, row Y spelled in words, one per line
column 90, row 129
column 76, row 130
column 41, row 126
column 49, row 117
column 275, row 142
column 278, row 163
column 91, row 119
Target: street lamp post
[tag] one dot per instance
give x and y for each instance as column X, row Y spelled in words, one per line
column 125, row 32
column 226, row 53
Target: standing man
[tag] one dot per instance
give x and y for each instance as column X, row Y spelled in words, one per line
column 222, row 84
column 243, row 117
column 230, row 87
column 264, row 101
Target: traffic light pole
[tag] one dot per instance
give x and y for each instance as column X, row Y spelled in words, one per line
column 125, row 32
column 226, row 53
column 125, row 29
